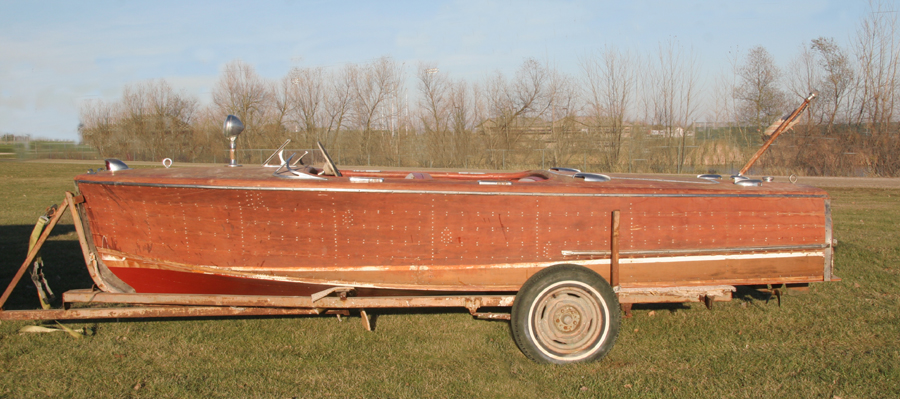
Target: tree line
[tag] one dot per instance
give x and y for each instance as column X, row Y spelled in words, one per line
column 623, row 112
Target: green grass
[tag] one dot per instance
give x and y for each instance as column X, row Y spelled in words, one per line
column 837, row 340
column 39, row 149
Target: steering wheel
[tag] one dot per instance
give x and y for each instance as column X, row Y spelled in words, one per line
column 330, row 169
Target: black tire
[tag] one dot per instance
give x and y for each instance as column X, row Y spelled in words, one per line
column 565, row 314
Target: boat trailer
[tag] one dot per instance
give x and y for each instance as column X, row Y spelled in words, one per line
column 332, row 301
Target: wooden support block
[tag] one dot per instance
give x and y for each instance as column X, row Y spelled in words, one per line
column 365, row 320
column 626, row 307
column 322, row 294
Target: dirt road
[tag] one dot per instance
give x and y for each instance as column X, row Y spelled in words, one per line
column 862, row 182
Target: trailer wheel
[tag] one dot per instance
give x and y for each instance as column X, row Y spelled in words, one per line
column 565, row 314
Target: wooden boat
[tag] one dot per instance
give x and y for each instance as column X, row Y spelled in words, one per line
column 562, row 247
column 245, row 231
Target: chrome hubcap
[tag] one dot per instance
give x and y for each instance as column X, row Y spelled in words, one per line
column 568, row 320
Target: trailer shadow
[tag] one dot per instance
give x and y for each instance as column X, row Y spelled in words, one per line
column 670, row 307
column 353, row 317
column 64, row 267
column 751, row 295
column 746, row 295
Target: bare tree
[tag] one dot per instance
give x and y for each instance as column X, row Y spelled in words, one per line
column 463, row 118
column 338, row 104
column 445, row 117
column 760, row 98
column 805, row 76
column 277, row 114
column 309, row 96
column 132, row 120
column 362, row 112
column 720, row 110
column 374, row 85
column 171, row 115
column 814, row 146
column 151, row 121
column 496, row 101
column 878, row 54
column 207, row 138
column 718, row 146
column 674, row 78
column 97, row 126
column 243, row 93
column 802, row 147
column 610, row 79
column 512, row 109
column 836, row 81
column 562, row 111
column 434, row 106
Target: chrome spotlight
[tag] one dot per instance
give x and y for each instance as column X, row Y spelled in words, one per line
column 232, row 129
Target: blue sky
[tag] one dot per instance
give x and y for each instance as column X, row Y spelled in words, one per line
column 55, row 55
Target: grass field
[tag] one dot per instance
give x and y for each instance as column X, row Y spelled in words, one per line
column 838, row 340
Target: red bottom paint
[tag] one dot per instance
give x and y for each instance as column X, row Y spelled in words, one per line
column 157, row 281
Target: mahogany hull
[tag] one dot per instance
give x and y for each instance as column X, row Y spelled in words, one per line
column 197, row 230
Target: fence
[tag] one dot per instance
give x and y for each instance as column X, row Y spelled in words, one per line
column 484, row 159
column 46, row 150
column 648, row 157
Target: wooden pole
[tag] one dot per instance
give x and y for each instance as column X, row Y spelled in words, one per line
column 33, row 253
column 614, row 250
column 781, row 128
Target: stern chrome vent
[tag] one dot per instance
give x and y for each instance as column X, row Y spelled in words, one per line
column 113, row 165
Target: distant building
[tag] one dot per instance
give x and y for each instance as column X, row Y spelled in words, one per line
column 676, row 132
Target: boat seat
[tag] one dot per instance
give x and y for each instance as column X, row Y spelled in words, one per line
column 418, row 175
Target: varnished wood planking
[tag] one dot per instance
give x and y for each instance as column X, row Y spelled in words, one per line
column 338, row 225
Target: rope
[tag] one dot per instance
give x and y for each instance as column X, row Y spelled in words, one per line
column 37, row 272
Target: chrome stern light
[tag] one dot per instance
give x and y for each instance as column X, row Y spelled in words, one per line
column 749, row 182
column 745, row 181
column 596, row 177
column 114, row 165
column 232, row 129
